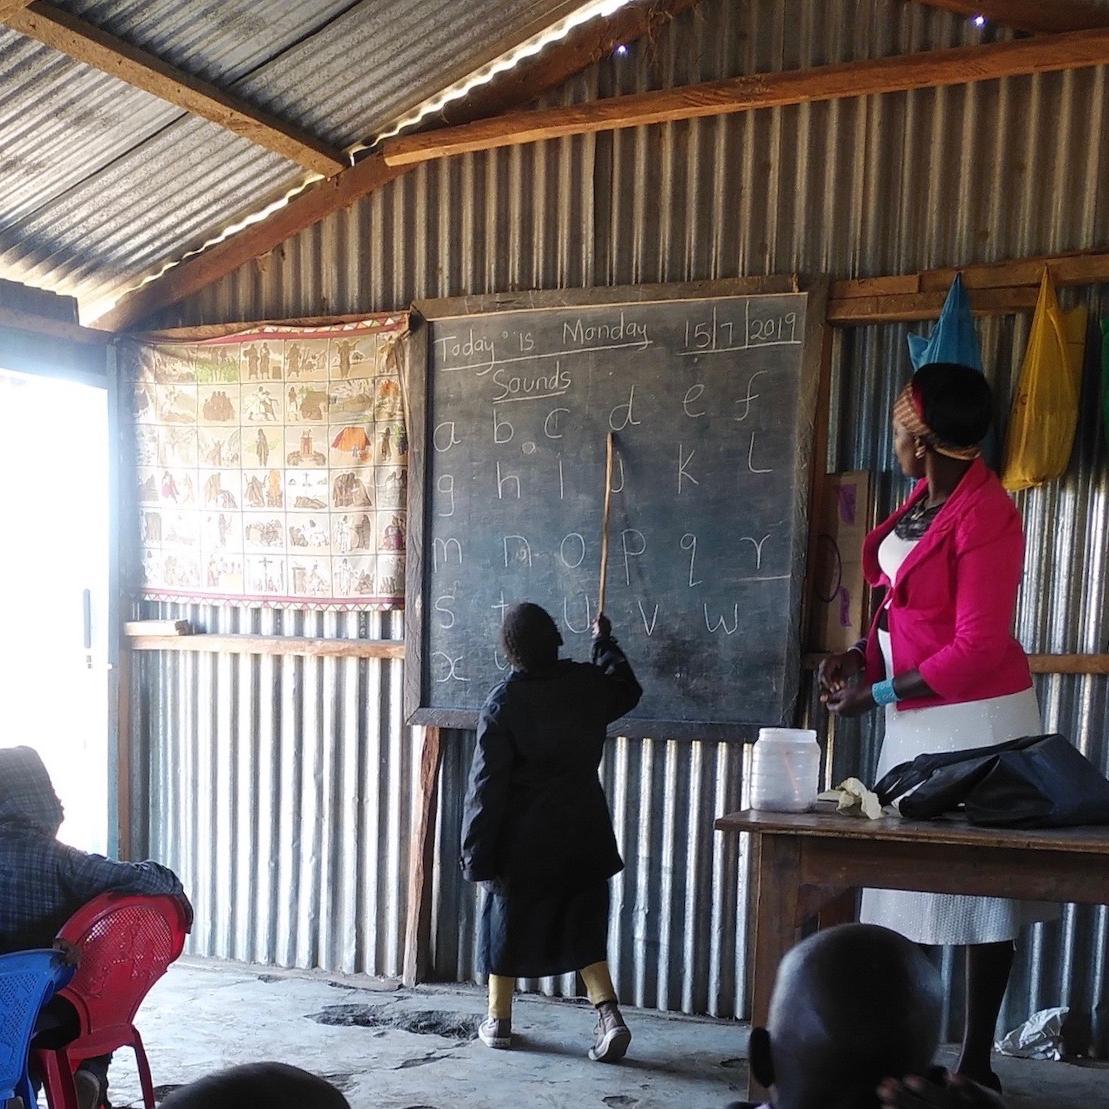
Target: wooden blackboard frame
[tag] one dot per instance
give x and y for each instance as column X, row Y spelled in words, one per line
column 416, row 377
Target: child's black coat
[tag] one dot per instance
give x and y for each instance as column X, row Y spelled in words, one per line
column 536, row 816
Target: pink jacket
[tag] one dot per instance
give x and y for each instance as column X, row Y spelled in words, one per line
column 951, row 614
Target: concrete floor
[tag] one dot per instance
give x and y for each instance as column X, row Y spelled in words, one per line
column 391, row 1048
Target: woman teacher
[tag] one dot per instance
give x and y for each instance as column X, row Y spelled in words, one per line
column 942, row 661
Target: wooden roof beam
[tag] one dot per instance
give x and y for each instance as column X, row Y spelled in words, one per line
column 548, row 70
column 1037, row 16
column 899, row 73
column 86, row 42
column 17, row 320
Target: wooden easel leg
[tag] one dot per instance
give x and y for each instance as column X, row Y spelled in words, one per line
column 777, row 901
column 417, row 938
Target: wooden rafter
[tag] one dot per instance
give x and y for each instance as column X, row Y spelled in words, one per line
column 15, row 319
column 554, row 66
column 1038, row 16
column 765, row 90
column 86, row 42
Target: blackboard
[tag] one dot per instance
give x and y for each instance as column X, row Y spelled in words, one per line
column 710, row 390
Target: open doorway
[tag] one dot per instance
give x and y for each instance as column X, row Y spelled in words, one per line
column 54, row 490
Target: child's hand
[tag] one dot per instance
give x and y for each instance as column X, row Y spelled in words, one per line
column 602, row 626
column 948, row 1091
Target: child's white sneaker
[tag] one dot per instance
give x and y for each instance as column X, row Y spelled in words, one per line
column 495, row 1033
column 611, row 1038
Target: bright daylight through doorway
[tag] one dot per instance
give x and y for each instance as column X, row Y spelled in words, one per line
column 54, row 570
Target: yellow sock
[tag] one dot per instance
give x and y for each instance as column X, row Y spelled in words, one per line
column 598, row 983
column 500, row 996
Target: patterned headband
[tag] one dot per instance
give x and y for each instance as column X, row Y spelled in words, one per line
column 908, row 412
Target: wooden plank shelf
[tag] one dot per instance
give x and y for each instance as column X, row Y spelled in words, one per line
column 270, row 645
column 1038, row 664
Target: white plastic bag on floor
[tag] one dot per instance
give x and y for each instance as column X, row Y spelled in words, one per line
column 1039, row 1037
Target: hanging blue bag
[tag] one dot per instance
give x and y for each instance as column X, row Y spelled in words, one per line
column 953, row 339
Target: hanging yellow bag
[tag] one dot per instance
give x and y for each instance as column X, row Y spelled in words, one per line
column 1044, row 417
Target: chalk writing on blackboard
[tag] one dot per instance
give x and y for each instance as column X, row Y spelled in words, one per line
column 710, row 401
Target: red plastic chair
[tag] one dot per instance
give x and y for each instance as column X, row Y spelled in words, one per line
column 127, row 943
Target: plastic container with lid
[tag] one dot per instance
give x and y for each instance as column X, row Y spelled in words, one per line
column 785, row 770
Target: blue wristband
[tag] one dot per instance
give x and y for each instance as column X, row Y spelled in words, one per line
column 884, row 693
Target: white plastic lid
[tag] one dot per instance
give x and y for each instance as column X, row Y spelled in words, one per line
column 787, row 735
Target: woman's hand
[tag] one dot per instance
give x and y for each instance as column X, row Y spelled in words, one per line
column 850, row 700
column 836, row 671
column 946, row 1091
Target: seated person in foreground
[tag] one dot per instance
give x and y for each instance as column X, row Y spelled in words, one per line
column 45, row 882
column 855, row 1009
column 272, row 1085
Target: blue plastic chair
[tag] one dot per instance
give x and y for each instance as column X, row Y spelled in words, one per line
column 28, row 980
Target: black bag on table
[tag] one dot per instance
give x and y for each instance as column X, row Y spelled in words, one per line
column 1039, row 781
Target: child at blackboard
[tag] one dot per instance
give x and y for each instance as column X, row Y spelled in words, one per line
column 537, row 833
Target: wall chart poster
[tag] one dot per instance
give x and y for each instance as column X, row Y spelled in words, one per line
column 272, row 466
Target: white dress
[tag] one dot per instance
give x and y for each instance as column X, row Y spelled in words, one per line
column 939, row 918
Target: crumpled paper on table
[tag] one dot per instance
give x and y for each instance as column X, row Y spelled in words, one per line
column 1039, row 1037
column 854, row 799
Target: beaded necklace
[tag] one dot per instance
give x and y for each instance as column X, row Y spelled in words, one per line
column 917, row 520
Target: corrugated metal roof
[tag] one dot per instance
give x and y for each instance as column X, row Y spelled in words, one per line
column 60, row 123
column 385, row 56
column 102, row 184
column 218, row 40
column 125, row 219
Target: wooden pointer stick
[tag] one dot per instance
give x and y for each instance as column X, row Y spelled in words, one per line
column 609, row 450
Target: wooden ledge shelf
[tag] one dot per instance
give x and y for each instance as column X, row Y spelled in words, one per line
column 1038, row 664
column 1069, row 664
column 270, row 645
column 994, row 288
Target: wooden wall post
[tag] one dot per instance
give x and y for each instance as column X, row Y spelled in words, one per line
column 124, row 801
column 417, row 938
column 818, row 485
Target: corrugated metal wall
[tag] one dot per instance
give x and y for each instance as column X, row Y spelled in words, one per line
column 871, row 186
column 281, row 789
column 677, row 937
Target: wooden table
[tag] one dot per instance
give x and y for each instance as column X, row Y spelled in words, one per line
column 808, row 866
